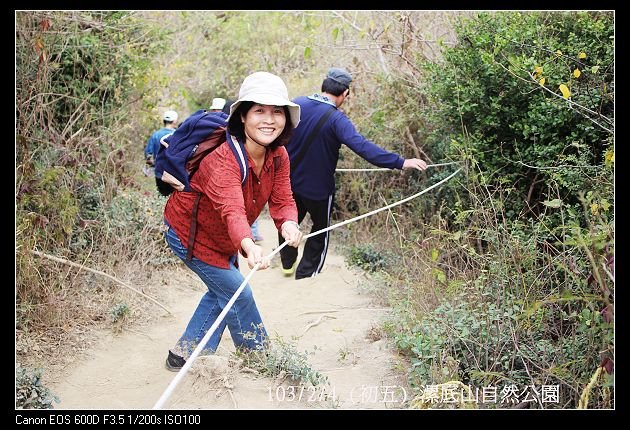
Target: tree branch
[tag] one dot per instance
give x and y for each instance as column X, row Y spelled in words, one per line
column 98, row 272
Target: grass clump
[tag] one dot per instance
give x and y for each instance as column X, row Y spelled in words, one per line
column 278, row 357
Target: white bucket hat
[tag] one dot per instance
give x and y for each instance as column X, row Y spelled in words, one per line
column 266, row 89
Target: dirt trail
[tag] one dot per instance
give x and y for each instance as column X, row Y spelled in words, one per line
column 126, row 371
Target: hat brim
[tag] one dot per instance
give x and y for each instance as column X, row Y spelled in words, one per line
column 271, row 100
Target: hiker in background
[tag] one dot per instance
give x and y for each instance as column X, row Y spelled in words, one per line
column 314, row 152
column 217, row 105
column 259, row 125
column 226, row 109
column 153, row 144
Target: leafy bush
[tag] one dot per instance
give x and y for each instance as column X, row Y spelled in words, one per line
column 367, row 258
column 119, row 312
column 534, row 312
column 77, row 72
column 524, row 239
column 499, row 103
column 29, row 391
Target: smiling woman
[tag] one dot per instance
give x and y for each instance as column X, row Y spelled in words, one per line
column 259, row 125
column 263, row 124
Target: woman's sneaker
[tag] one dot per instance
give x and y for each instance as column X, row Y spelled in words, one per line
column 174, row 362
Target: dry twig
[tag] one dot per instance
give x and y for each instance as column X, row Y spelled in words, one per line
column 308, row 327
column 98, row 272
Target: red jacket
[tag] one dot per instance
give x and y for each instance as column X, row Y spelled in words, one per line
column 227, row 209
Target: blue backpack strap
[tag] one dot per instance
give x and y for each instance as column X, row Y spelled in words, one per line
column 238, row 149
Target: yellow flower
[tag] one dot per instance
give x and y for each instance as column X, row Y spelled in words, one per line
column 594, row 208
column 609, row 157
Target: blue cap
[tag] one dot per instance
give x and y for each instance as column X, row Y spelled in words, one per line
column 340, row 75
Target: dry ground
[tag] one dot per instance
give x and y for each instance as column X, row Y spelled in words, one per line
column 330, row 315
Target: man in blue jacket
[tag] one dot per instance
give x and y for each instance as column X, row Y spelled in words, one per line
column 314, row 151
column 153, row 144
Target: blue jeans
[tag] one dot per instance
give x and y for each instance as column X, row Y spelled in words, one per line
column 243, row 318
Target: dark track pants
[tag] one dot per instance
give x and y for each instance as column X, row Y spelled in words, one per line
column 316, row 247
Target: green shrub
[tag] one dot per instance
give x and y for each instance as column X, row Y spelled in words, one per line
column 119, row 312
column 367, row 258
column 30, row 393
column 518, row 131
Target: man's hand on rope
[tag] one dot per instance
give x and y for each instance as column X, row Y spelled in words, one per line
column 414, row 163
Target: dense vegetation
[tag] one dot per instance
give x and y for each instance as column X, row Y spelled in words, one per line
column 77, row 74
column 503, row 276
column 521, row 248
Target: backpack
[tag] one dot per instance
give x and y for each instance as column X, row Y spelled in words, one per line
column 181, row 152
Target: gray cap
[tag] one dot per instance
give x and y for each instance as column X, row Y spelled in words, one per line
column 340, row 75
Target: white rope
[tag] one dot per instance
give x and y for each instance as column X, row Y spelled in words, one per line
column 383, row 169
column 400, row 202
column 169, row 390
column 374, row 169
